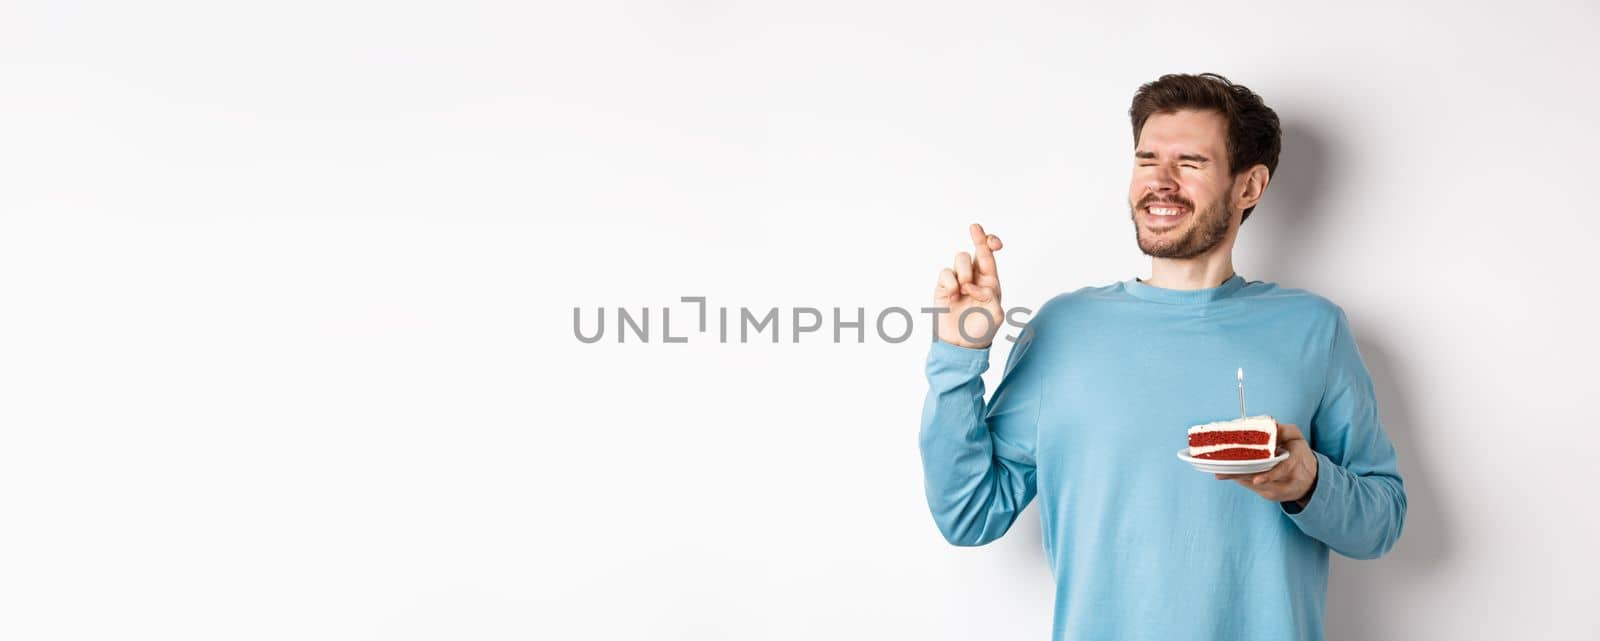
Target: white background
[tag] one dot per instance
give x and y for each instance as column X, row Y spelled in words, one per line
column 286, row 297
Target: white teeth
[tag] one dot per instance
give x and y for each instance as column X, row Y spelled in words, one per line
column 1165, row 211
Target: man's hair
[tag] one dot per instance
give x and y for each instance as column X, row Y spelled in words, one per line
column 1253, row 134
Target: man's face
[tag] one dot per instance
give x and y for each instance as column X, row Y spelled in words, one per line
column 1181, row 162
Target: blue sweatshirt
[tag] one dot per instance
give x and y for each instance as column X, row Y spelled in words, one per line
column 1096, row 399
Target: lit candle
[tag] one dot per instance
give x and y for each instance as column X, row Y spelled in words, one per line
column 1241, row 392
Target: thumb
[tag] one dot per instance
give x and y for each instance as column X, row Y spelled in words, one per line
column 978, row 293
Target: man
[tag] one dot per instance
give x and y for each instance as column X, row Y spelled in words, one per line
column 1103, row 383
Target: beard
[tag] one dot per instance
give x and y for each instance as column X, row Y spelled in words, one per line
column 1206, row 230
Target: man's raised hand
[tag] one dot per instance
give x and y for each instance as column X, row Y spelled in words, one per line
column 971, row 284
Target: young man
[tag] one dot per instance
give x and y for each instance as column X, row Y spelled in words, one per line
column 1100, row 389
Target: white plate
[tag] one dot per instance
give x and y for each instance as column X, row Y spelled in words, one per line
column 1233, row 467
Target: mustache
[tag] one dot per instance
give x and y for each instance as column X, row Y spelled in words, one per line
column 1151, row 200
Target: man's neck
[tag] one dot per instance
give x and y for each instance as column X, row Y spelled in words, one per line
column 1201, row 272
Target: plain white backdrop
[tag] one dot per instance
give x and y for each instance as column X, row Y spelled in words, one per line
column 286, row 297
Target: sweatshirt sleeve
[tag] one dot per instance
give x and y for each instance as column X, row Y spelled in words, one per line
column 1358, row 502
column 978, row 460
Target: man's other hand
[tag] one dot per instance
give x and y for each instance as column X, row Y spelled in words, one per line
column 972, row 283
column 1289, row 481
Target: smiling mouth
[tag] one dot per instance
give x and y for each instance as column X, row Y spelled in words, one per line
column 1164, row 215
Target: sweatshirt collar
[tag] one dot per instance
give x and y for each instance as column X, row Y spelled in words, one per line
column 1140, row 289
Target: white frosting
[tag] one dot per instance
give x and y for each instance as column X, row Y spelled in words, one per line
column 1196, row 451
column 1263, row 423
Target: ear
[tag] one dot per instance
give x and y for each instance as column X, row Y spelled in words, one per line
column 1249, row 186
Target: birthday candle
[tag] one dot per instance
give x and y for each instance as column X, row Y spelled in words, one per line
column 1241, row 392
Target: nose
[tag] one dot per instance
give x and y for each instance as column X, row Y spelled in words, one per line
column 1162, row 180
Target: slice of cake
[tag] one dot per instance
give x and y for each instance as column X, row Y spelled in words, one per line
column 1242, row 439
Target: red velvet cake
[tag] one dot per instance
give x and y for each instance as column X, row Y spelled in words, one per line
column 1243, row 439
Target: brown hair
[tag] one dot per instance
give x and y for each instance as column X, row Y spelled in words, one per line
column 1253, row 134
